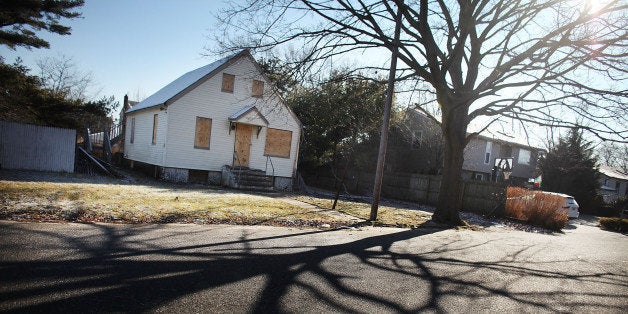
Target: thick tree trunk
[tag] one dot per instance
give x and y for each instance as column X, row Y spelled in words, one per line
column 454, row 132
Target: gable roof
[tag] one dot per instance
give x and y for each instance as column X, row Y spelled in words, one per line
column 249, row 115
column 183, row 82
column 613, row 173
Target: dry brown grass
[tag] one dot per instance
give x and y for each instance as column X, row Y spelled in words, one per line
column 46, row 201
column 535, row 207
column 386, row 215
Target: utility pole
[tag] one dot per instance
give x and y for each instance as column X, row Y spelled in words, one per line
column 383, row 142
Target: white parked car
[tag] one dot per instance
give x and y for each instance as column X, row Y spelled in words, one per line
column 570, row 205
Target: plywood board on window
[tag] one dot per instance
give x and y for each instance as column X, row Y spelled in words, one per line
column 155, row 120
column 278, row 143
column 258, row 88
column 228, row 82
column 203, row 132
column 132, row 130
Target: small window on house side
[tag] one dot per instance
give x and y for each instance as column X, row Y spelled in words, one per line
column 487, row 155
column 478, row 177
column 417, row 140
column 132, row 130
column 155, row 119
column 524, row 157
column 278, row 143
column 228, row 82
column 203, row 133
column 258, row 88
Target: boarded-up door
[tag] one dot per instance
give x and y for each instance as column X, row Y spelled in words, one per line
column 242, row 145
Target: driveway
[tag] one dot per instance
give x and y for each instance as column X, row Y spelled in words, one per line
column 237, row 269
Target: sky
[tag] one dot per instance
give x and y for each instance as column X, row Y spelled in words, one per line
column 132, row 47
column 136, row 47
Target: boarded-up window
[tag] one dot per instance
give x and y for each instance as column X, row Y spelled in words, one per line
column 132, row 130
column 155, row 119
column 227, row 82
column 278, row 143
column 203, row 132
column 258, row 88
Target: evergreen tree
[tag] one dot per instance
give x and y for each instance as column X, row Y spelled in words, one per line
column 337, row 115
column 20, row 19
column 570, row 167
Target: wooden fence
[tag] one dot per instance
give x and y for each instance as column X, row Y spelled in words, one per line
column 478, row 196
column 32, row 147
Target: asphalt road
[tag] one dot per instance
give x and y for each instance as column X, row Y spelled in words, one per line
column 235, row 269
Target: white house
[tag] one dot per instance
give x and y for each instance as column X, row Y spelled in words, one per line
column 211, row 123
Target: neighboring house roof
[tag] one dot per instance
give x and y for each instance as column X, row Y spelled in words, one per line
column 501, row 140
column 612, row 173
column 183, row 82
column 486, row 135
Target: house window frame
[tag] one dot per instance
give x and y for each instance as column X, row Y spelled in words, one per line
column 529, row 158
column 226, row 88
column 132, row 139
column 417, row 140
column 487, row 153
column 478, row 176
column 155, row 125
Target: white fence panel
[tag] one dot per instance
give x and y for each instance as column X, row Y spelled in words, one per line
column 32, row 147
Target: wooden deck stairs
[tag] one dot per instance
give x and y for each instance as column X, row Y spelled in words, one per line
column 244, row 178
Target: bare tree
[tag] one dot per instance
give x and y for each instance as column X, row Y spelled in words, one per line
column 614, row 155
column 558, row 63
column 62, row 76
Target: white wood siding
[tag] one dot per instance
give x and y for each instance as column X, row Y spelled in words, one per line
column 142, row 148
column 32, row 147
column 207, row 100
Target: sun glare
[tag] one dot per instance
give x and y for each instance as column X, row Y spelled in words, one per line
column 593, row 6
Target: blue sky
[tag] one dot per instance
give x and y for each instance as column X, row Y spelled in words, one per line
column 132, row 46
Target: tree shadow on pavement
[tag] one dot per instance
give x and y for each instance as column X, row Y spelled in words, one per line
column 129, row 269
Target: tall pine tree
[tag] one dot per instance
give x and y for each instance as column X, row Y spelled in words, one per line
column 21, row 20
column 570, row 167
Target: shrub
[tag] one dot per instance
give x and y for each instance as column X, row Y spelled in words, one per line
column 614, row 224
column 536, row 208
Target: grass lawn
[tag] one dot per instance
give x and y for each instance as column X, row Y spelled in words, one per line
column 110, row 202
column 386, row 215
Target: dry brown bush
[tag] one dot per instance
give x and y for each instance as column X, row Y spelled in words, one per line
column 536, row 208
